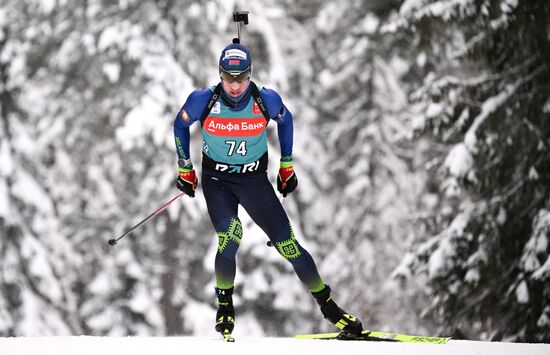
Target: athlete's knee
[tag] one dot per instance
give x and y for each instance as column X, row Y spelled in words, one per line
column 289, row 248
column 229, row 238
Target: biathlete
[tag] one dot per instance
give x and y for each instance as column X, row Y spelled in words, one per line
column 233, row 116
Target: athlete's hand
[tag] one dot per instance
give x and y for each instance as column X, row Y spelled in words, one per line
column 187, row 180
column 286, row 179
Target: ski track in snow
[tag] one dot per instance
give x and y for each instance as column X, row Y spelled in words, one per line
column 84, row 345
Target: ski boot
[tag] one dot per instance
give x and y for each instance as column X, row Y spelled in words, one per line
column 225, row 316
column 348, row 323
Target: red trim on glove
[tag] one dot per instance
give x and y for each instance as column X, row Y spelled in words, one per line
column 285, row 174
column 190, row 177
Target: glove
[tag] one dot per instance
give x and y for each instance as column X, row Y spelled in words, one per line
column 286, row 179
column 187, row 180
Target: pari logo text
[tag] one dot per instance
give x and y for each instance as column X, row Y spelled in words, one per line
column 231, row 127
column 238, row 168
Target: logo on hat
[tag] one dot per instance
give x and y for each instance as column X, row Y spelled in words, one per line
column 232, row 53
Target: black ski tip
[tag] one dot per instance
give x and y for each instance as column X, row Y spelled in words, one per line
column 112, row 242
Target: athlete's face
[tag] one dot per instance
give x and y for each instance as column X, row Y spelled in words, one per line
column 235, row 85
column 235, row 88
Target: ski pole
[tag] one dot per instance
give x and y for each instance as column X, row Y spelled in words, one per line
column 112, row 242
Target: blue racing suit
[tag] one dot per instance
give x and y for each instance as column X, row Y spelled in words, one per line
column 234, row 167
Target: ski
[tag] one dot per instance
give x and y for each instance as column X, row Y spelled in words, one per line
column 369, row 335
column 227, row 337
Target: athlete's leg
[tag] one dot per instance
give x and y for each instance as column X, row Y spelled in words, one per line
column 260, row 201
column 222, row 207
column 264, row 207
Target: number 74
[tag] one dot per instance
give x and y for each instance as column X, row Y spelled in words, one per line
column 241, row 148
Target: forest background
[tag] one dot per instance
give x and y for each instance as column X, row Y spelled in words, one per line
column 422, row 135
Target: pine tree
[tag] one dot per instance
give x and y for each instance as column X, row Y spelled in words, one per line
column 370, row 183
column 86, row 117
column 484, row 101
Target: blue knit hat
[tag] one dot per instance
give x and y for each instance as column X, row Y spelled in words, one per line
column 235, row 58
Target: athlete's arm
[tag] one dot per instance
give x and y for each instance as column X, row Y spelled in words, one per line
column 188, row 114
column 280, row 114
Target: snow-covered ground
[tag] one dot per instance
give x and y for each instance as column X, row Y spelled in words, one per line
column 86, row 345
